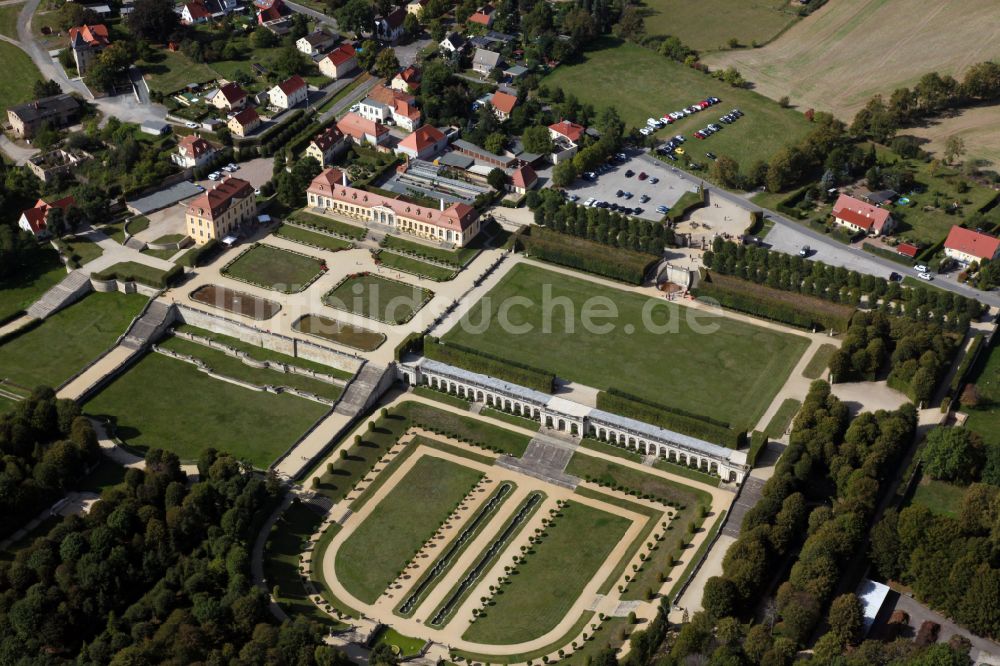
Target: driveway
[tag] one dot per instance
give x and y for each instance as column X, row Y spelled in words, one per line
column 983, row 651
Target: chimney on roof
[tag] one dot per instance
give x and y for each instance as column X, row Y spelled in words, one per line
column 343, row 178
column 442, row 204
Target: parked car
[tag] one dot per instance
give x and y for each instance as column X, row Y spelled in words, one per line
column 662, row 209
column 618, row 193
column 920, row 268
column 895, row 277
column 590, row 175
column 680, row 138
column 215, row 175
column 627, row 195
column 573, row 197
column 230, row 168
column 711, row 156
column 644, row 198
column 805, row 251
column 629, row 173
column 645, row 131
column 191, row 125
column 670, row 156
column 589, row 202
column 621, row 157
column 643, row 176
column 636, row 211
column 925, row 276
column 699, row 135
column 679, row 150
column 654, row 180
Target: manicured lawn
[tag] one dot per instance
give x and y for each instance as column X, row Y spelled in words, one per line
column 406, row 645
column 339, row 332
column 329, row 224
column 262, row 354
column 939, row 496
column 378, row 298
column 782, row 418
column 400, row 523
column 472, row 429
column 731, row 374
column 708, row 25
column 29, row 281
column 6, row 403
column 986, row 377
column 658, row 86
column 232, row 367
column 306, row 237
column 819, row 362
column 281, row 561
column 19, row 76
column 458, row 257
column 441, row 396
column 665, row 465
column 655, row 487
column 415, row 266
column 83, row 250
column 68, row 340
column 167, row 403
column 8, row 19
column 274, row 268
column 172, row 70
column 551, row 578
column 514, row 419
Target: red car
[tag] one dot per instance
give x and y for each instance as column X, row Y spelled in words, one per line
column 699, row 135
column 643, row 176
column 704, row 104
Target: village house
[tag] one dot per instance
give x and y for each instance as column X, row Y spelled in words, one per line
column 483, row 16
column 316, row 42
column 195, row 12
column 338, row 62
column 415, row 7
column 326, row 146
column 230, row 97
column 390, row 28
column 244, row 122
column 272, row 13
column 362, row 130
column 385, row 105
column 407, row 81
column 452, row 43
column 193, row 151
column 289, row 93
column 967, row 246
column 485, row 61
column 423, row 144
column 523, row 179
column 861, row 217
column 503, row 104
column 57, row 111
column 87, row 42
column 34, row 219
column 220, row 211
column 457, row 224
column 565, row 137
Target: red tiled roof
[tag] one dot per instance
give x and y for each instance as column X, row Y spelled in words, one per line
column 198, row 10
column 456, row 217
column 480, row 18
column 404, row 104
column 290, row 85
column 524, row 177
column 410, row 75
column 340, row 55
column 503, row 102
column 328, row 137
column 860, row 214
column 218, row 199
column 37, row 214
column 194, row 145
column 907, row 249
column 568, row 129
column 232, row 92
column 94, row 35
column 246, row 116
column 423, row 137
column 975, row 243
column 358, row 127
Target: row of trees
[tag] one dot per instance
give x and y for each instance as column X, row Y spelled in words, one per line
column 879, row 119
column 599, row 224
column 46, row 447
column 156, row 572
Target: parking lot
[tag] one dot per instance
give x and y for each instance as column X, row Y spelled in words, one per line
column 256, row 172
column 665, row 192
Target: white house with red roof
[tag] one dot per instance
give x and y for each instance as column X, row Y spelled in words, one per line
column 288, row 93
column 33, row 220
column 195, row 12
column 967, row 246
column 244, row 122
column 362, row 130
column 423, row 144
column 87, row 42
column 339, row 62
column 859, row 216
column 390, row 28
column 523, row 179
column 407, row 81
column 503, row 104
column 193, row 151
column 230, row 97
column 457, row 224
column 385, row 105
column 565, row 137
column 271, row 12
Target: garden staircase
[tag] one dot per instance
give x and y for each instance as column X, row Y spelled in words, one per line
column 72, row 288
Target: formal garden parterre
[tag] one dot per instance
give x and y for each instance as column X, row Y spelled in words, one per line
column 274, row 268
column 376, row 297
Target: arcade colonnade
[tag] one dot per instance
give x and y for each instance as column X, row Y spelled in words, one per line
column 578, row 420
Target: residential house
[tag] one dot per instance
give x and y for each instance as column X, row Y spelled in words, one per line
column 272, row 13
column 57, row 111
column 289, row 93
column 220, row 211
column 326, row 145
column 452, row 43
column 338, row 62
column 230, row 97
column 407, row 81
column 515, row 72
column 492, row 40
column 423, row 144
column 523, row 179
column 87, row 42
column 967, row 246
column 415, row 7
column 318, row 41
column 193, row 151
column 195, row 12
column 386, row 105
column 33, row 220
column 503, row 104
column 483, row 16
column 859, row 216
column 390, row 28
column 880, row 197
column 565, row 137
column 485, row 61
column 244, row 122
column 457, row 224
column 362, row 130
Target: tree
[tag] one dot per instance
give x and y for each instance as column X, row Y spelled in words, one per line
column 386, row 64
column 47, row 88
column 367, row 54
column 495, row 143
column 720, row 597
column 411, row 24
column 497, row 179
column 154, row 20
column 954, row 148
column 357, row 16
column 262, row 38
column 846, row 617
column 631, row 24
column 289, row 61
column 951, row 454
column 537, row 140
column 726, row 171
column 563, row 174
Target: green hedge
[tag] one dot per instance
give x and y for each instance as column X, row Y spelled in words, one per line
column 619, row 402
column 758, row 442
column 132, row 272
column 201, row 255
column 786, row 307
column 688, row 202
column 887, row 254
column 414, row 342
column 586, row 255
column 470, row 359
column 958, row 380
